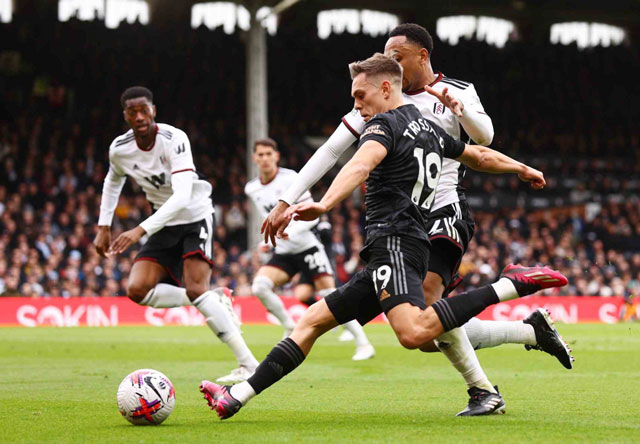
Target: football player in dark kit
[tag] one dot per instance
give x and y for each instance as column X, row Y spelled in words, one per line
column 400, row 156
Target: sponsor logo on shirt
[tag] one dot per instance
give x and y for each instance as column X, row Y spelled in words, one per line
column 374, row 129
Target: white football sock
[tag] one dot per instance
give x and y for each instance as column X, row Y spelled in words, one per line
column 359, row 336
column 505, row 290
column 353, row 327
column 262, row 287
column 220, row 322
column 455, row 345
column 243, row 392
column 166, row 296
column 484, row 334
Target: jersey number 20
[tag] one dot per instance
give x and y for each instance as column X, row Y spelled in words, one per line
column 429, row 169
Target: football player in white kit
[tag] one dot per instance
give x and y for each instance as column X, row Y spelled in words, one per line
column 451, row 104
column 302, row 253
column 180, row 244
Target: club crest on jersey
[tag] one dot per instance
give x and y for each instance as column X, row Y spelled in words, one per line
column 438, row 108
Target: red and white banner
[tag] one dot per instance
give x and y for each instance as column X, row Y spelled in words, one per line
column 114, row 311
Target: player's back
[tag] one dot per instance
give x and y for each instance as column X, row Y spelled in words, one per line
column 401, row 189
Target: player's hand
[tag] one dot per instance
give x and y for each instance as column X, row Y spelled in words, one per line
column 534, row 177
column 126, row 239
column 102, row 240
column 455, row 105
column 275, row 223
column 305, row 211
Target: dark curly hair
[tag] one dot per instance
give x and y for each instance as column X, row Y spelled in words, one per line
column 414, row 33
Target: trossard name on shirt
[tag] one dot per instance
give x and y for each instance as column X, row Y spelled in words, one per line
column 416, row 126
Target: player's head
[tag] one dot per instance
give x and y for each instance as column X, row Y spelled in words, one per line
column 138, row 109
column 411, row 45
column 266, row 155
column 376, row 86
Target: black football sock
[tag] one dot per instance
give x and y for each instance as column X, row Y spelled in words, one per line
column 456, row 311
column 280, row 361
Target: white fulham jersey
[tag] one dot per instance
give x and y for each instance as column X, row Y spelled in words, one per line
column 431, row 108
column 152, row 170
column 265, row 197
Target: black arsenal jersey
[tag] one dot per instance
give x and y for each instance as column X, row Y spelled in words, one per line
column 401, row 189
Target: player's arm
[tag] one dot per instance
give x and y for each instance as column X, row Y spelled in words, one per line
column 182, row 178
column 316, row 167
column 111, row 189
column 470, row 113
column 350, row 177
column 485, row 159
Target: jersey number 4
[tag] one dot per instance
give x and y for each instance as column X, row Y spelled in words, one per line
column 429, row 169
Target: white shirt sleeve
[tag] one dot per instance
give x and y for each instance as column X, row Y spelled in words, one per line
column 111, row 189
column 182, row 185
column 475, row 120
column 300, row 226
column 179, row 153
column 322, row 161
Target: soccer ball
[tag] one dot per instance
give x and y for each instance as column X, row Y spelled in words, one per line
column 146, row 396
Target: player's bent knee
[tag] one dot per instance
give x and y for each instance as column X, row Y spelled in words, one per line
column 409, row 340
column 195, row 290
column 429, row 347
column 414, row 337
column 137, row 291
column 261, row 286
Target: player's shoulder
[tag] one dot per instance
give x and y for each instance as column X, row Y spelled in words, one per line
column 122, row 140
column 286, row 172
column 169, row 133
column 382, row 124
column 252, row 186
column 458, row 84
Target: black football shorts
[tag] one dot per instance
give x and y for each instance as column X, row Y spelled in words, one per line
column 171, row 245
column 396, row 267
column 311, row 264
column 450, row 230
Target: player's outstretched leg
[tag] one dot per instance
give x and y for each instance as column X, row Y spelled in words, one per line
column 262, row 287
column 285, row 357
column 215, row 306
column 455, row 345
column 484, row 398
column 515, row 281
column 536, row 332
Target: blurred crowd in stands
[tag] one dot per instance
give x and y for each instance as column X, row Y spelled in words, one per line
column 556, row 107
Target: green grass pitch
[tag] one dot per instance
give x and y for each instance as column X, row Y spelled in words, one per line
column 59, row 385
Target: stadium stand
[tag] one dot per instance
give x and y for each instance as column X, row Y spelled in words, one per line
column 59, row 111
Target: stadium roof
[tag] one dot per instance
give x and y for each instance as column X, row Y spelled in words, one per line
column 616, row 11
column 543, row 12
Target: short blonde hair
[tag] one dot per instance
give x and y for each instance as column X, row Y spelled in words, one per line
column 377, row 64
